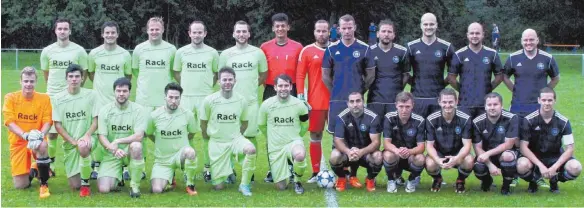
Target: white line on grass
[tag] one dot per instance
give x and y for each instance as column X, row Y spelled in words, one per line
column 330, row 195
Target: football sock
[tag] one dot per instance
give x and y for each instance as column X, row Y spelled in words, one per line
column 248, row 168
column 206, row 159
column 136, row 167
column 299, row 168
column 463, row 174
column 315, row 155
column 43, row 166
column 190, row 168
column 390, row 169
column 85, row 166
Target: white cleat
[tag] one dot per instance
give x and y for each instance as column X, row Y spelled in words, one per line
column 391, row 186
column 411, row 186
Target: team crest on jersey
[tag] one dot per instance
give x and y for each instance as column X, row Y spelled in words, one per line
column 395, row 59
column 438, row 54
column 485, row 60
column 555, row 132
column 540, row 66
column 356, row 54
column 500, row 129
column 457, row 130
column 411, row 132
column 363, row 127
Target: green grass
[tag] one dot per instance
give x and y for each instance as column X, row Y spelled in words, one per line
column 570, row 103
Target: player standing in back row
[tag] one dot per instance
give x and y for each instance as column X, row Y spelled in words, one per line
column 55, row 59
column 310, row 61
column 107, row 63
column 428, row 56
column 195, row 68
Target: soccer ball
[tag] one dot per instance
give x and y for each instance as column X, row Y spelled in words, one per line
column 325, row 179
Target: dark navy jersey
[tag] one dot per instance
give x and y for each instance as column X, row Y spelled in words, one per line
column 545, row 139
column 475, row 71
column 493, row 134
column 390, row 67
column 530, row 75
column 448, row 137
column 348, row 65
column 428, row 63
column 355, row 131
column 404, row 135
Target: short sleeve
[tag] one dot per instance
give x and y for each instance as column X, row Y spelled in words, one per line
column 127, row 63
column 339, row 128
column 56, row 111
column 205, row 110
column 477, row 136
column 513, row 129
column 508, row 68
column 44, row 60
column 466, row 130
column 405, row 62
column 177, row 65
column 91, row 61
column 262, row 62
column 421, row 132
column 136, row 58
column 369, row 62
column 262, row 115
column 245, row 109
column 327, row 60
column 525, row 133
column 375, row 127
column 497, row 66
column 102, row 121
column 430, row 131
column 47, row 111
column 387, row 129
column 82, row 58
column 141, row 120
column 151, row 126
column 553, row 70
column 192, row 124
column 455, row 65
column 8, row 110
column 568, row 129
column 215, row 65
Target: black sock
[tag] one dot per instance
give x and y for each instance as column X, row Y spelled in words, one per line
column 415, row 171
column 463, row 174
column 437, row 176
column 339, row 171
column 354, row 168
column 43, row 165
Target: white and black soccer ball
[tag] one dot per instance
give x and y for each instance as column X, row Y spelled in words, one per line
column 325, row 179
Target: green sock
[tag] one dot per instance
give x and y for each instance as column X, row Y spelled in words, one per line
column 97, row 154
column 136, row 167
column 52, row 148
column 206, row 159
column 190, row 168
column 299, row 168
column 85, row 165
column 248, row 168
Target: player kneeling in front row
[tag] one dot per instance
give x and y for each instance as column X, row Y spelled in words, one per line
column 283, row 118
column 542, row 134
column 404, row 134
column 75, row 119
column 171, row 127
column 356, row 141
column 223, row 120
column 27, row 114
column 495, row 133
column 121, row 126
column 449, row 143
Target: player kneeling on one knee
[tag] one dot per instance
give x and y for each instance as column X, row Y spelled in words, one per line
column 542, row 134
column 449, row 143
column 356, row 141
column 404, row 143
column 172, row 127
column 283, row 119
column 495, row 133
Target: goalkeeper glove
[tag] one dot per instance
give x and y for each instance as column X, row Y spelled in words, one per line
column 24, row 135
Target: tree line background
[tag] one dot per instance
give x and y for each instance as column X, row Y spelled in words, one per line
column 29, row 24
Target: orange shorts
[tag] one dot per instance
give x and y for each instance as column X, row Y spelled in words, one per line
column 20, row 158
column 316, row 120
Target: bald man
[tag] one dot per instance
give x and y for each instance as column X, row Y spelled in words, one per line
column 530, row 67
column 428, row 56
column 476, row 65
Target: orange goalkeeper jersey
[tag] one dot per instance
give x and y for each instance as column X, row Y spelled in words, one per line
column 27, row 114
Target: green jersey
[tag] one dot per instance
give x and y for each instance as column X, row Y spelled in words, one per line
column 154, row 63
column 56, row 59
column 247, row 63
column 197, row 67
column 170, row 131
column 282, row 120
column 75, row 112
column 115, row 123
column 108, row 66
column 224, row 116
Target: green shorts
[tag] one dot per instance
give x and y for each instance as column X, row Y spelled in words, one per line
column 164, row 168
column 252, row 122
column 279, row 161
column 220, row 157
column 193, row 104
column 111, row 166
column 73, row 160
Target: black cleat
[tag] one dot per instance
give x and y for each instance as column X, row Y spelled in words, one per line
column 554, row 185
column 532, row 187
column 231, row 179
column 34, row 173
column 486, row 184
column 143, row 175
column 436, row 185
column 268, row 178
column 207, row 176
column 126, row 175
column 121, row 183
column 93, row 175
column 298, row 188
column 460, row 186
column 134, row 194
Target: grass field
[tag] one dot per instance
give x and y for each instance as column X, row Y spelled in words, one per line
column 570, row 103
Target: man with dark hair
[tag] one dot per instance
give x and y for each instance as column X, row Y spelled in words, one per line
column 448, row 141
column 55, row 59
column 283, row 119
column 27, row 115
column 121, row 126
column 346, row 68
column 282, row 55
column 404, row 137
column 495, row 133
column 75, row 119
column 547, row 145
column 224, row 118
column 107, row 63
column 428, row 57
column 171, row 127
column 195, row 68
column 356, row 142
column 310, row 62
